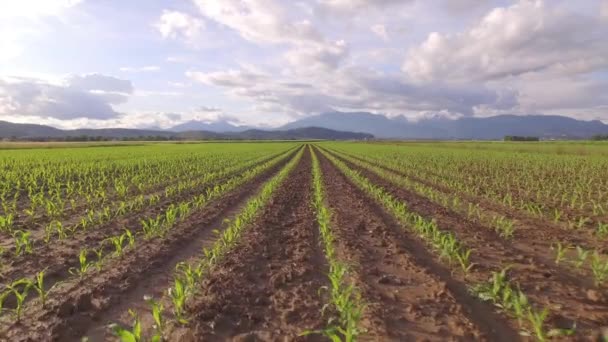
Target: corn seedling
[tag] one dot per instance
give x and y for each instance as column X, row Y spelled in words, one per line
column 599, row 268
column 38, row 285
column 602, row 229
column 23, row 244
column 128, row 335
column 581, row 256
column 20, row 289
column 178, row 293
column 6, row 222
column 85, row 265
column 560, row 252
column 157, row 314
column 537, row 320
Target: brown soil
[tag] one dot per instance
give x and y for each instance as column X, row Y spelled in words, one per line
column 529, row 227
column 64, row 253
column 409, row 296
column 42, row 250
column 267, row 287
column 74, row 306
column 532, row 266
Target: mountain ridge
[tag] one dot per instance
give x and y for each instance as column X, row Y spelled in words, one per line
column 465, row 128
column 15, row 131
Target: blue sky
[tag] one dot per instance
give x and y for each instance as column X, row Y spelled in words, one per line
column 91, row 63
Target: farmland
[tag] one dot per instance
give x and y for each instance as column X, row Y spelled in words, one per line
column 304, row 240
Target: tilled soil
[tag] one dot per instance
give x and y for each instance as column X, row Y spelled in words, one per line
column 273, row 285
column 408, row 295
column 570, row 298
column 64, row 253
column 75, row 306
column 529, row 228
column 268, row 286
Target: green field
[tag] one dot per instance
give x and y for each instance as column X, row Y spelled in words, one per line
column 330, row 240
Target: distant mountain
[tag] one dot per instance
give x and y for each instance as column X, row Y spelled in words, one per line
column 496, row 127
column 10, row 130
column 217, row 126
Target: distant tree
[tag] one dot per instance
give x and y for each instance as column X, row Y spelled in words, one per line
column 520, row 138
column 600, row 137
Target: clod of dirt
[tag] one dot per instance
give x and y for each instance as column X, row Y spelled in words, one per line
column 594, row 296
column 389, row 279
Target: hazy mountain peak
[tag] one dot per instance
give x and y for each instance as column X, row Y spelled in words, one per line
column 213, row 126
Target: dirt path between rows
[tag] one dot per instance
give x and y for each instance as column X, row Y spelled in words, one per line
column 566, row 295
column 409, row 296
column 75, row 306
column 267, row 287
column 529, row 228
column 64, row 253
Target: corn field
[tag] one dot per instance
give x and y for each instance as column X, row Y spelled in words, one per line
column 336, row 241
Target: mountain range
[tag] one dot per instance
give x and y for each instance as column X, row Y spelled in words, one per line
column 341, row 125
column 488, row 128
column 9, row 130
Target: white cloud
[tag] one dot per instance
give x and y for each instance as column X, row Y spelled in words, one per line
column 354, row 5
column 179, row 25
column 148, row 68
column 347, row 88
column 317, row 57
column 78, row 96
column 34, row 8
column 528, row 36
column 260, row 21
column 604, row 9
column 380, row 31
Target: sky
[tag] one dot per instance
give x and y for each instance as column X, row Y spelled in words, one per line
column 155, row 64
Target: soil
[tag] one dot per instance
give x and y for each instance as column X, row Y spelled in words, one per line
column 531, row 263
column 409, row 295
column 272, row 285
column 64, row 253
column 74, row 306
column 268, row 287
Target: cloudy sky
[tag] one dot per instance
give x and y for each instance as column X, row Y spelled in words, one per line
column 147, row 63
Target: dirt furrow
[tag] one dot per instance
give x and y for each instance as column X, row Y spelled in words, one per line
column 570, row 298
column 75, row 305
column 409, row 295
column 529, row 228
column 267, row 288
column 64, row 253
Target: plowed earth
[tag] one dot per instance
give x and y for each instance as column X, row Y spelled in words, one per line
column 272, row 286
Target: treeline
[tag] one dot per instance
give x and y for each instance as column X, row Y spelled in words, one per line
column 520, row 138
column 85, row 138
column 600, row 137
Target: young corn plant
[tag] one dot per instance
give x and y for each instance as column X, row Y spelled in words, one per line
column 129, row 335
column 152, row 226
column 6, row 222
column 602, row 229
column 191, row 274
column 344, row 297
column 19, row 289
column 38, row 285
column 23, row 244
column 178, row 294
column 599, row 268
column 560, row 252
column 500, row 292
column 85, row 264
column 581, row 256
column 157, row 315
